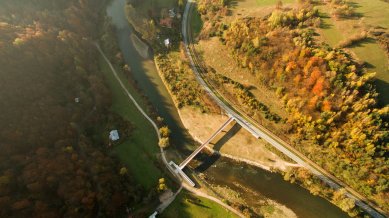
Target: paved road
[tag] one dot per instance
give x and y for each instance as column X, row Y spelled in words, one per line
column 195, row 191
column 261, row 132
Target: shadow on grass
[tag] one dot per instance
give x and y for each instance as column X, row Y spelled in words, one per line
column 362, row 42
column 325, row 24
column 233, row 3
column 383, row 90
column 193, row 200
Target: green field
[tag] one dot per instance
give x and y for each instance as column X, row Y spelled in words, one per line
column 374, row 55
column 154, row 5
column 372, row 13
column 196, row 23
column 188, row 205
column 140, row 150
column 330, row 33
column 139, row 153
column 375, row 12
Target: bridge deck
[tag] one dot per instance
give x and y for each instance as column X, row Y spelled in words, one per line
column 190, row 157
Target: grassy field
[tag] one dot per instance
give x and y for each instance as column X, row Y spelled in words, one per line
column 371, row 13
column 154, row 5
column 374, row 55
column 375, row 12
column 196, row 23
column 254, row 8
column 140, row 150
column 329, row 32
column 188, row 205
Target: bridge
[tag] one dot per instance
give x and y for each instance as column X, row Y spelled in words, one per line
column 259, row 131
column 179, row 168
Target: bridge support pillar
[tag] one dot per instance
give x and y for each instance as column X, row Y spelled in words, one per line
column 179, row 171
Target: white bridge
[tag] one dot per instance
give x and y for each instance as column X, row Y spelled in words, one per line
column 178, row 168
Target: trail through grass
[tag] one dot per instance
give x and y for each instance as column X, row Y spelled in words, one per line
column 140, row 150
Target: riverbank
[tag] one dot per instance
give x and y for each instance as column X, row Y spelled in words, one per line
column 145, row 164
column 234, row 143
column 141, row 47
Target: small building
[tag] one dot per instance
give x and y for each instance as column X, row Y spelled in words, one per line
column 167, row 42
column 114, row 135
column 77, row 100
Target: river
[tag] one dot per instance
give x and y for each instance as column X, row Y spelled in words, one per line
column 254, row 184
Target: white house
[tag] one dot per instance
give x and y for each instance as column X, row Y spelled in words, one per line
column 167, row 42
column 114, row 135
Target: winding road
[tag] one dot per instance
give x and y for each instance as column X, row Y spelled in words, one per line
column 261, row 132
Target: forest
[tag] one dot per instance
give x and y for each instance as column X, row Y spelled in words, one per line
column 334, row 118
column 54, row 114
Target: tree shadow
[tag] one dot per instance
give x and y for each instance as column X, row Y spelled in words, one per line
column 193, row 200
column 233, row 3
column 325, row 24
column 383, row 90
column 368, row 65
column 362, row 42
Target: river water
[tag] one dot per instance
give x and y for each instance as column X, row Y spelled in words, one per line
column 253, row 183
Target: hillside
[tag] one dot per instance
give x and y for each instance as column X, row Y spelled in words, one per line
column 329, row 101
column 54, row 115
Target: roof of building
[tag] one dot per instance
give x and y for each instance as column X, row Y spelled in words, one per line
column 114, row 135
column 167, row 42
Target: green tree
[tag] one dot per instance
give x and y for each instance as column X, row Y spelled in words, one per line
column 164, row 131
column 164, row 142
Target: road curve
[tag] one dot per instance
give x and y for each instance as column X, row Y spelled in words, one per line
column 259, row 131
column 165, row 204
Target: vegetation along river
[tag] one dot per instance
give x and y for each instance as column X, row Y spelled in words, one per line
column 253, row 183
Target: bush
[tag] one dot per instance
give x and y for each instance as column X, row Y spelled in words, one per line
column 353, row 39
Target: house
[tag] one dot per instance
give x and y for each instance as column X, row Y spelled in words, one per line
column 167, row 42
column 114, row 135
